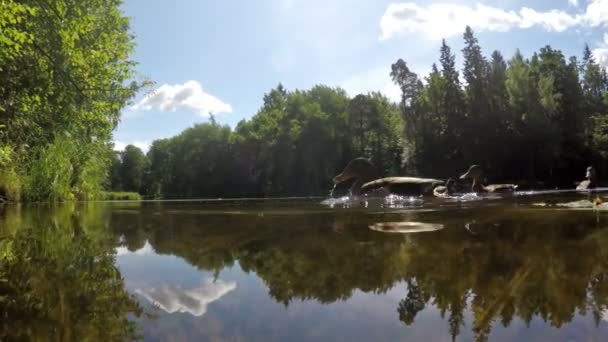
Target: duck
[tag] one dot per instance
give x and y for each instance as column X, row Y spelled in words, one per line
column 446, row 190
column 475, row 172
column 590, row 181
column 366, row 182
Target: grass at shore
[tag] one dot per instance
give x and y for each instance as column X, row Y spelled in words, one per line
column 119, row 196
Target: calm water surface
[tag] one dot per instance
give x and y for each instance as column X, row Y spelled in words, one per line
column 518, row 269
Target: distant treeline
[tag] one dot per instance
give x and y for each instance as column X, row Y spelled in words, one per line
column 542, row 118
column 292, row 146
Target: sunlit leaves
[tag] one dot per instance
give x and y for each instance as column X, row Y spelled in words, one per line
column 64, row 71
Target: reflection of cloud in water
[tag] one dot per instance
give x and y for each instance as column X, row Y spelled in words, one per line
column 146, row 249
column 194, row 301
column 605, row 315
column 405, row 227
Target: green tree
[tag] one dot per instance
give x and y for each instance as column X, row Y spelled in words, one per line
column 132, row 167
column 65, row 74
column 481, row 125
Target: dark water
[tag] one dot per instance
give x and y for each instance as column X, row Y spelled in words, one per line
column 501, row 270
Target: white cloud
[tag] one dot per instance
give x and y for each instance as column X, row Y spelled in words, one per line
column 573, row 3
column 601, row 56
column 441, row 20
column 377, row 79
column 596, row 13
column 189, row 96
column 601, row 53
column 143, row 145
column 194, row 301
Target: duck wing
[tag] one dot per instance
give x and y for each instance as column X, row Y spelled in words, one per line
column 441, row 191
column 403, row 185
column 584, row 185
column 500, row 187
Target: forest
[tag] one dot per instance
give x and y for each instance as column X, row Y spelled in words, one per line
column 66, row 73
column 536, row 120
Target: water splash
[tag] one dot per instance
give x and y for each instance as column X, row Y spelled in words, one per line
column 331, row 192
column 381, row 199
column 558, row 192
column 390, row 201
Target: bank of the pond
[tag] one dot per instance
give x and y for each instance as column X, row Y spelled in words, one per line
column 120, row 196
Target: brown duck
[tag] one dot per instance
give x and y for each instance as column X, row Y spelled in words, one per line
column 365, row 175
column 590, row 181
column 475, row 173
column 446, row 190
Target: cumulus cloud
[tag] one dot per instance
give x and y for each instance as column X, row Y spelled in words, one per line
column 601, row 53
column 441, row 20
column 189, row 96
column 596, row 13
column 143, row 145
column 573, row 3
column 194, row 301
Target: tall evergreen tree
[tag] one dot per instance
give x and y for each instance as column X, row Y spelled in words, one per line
column 482, row 124
column 454, row 108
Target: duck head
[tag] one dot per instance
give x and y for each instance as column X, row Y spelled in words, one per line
column 590, row 174
column 445, row 190
column 449, row 185
column 591, row 177
column 360, row 169
column 475, row 172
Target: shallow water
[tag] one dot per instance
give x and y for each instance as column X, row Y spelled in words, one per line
column 529, row 268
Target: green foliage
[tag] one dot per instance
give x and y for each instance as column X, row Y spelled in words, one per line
column 10, row 183
column 65, row 170
column 6, row 156
column 528, row 119
column 12, row 39
column 64, row 74
column 119, row 196
column 50, row 174
column 128, row 170
column 600, row 134
column 92, row 170
column 293, row 146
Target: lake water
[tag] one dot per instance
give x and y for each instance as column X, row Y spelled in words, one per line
column 517, row 269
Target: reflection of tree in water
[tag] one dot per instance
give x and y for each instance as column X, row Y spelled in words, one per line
column 413, row 303
column 551, row 265
column 58, row 280
column 514, row 267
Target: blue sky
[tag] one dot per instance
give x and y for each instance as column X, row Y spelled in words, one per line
column 222, row 56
